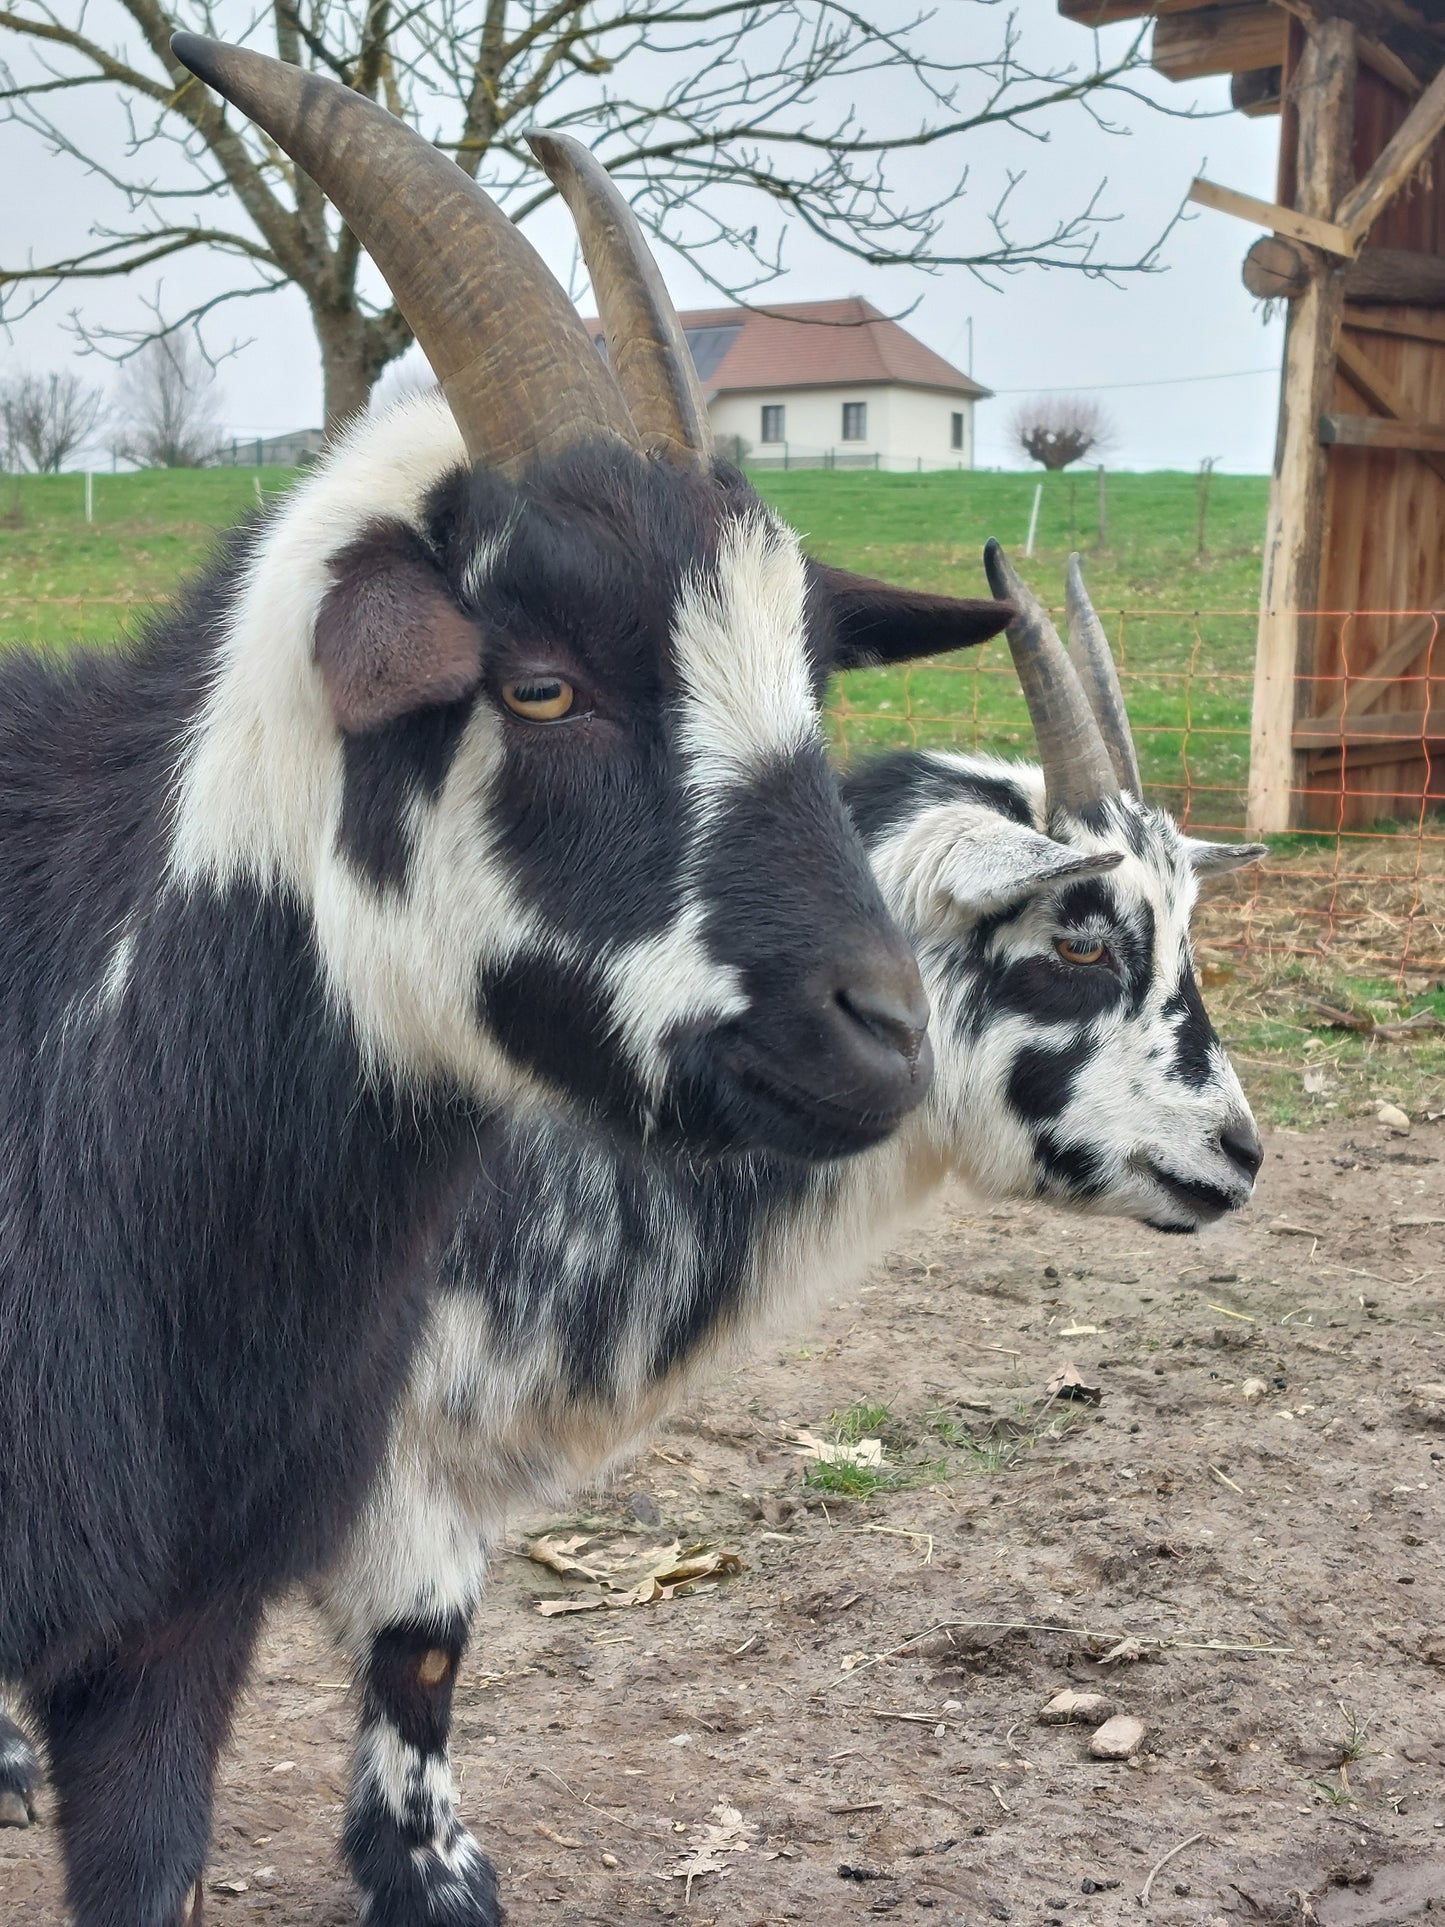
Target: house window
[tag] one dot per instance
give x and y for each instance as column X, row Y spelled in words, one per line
column 855, row 421
column 956, row 436
column 773, row 422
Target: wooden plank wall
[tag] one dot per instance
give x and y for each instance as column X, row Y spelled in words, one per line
column 1384, row 545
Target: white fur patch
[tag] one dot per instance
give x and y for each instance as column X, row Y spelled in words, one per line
column 259, row 786
column 664, row 982
column 739, row 638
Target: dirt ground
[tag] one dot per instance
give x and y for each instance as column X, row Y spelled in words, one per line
column 849, row 1728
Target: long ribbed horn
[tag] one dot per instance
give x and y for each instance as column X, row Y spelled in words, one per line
column 512, row 356
column 648, row 349
column 1077, row 770
column 1093, row 660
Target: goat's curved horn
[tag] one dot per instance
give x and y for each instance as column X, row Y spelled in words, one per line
column 1076, row 765
column 649, row 351
column 510, row 352
column 1093, row 660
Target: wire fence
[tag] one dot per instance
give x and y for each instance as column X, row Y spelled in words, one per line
column 1360, row 886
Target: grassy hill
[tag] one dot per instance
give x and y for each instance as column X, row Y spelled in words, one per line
column 1182, row 623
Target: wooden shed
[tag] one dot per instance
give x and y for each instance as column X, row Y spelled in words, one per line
column 1349, row 693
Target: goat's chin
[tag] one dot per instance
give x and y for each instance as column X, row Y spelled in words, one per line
column 732, row 1101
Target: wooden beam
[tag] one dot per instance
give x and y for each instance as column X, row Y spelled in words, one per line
column 1397, row 161
column 1299, row 226
column 1103, row 13
column 1403, row 726
column 1385, row 62
column 1391, row 663
column 1379, row 390
column 1323, row 95
column 1276, row 268
column 1378, row 431
column 1217, row 40
column 1380, row 321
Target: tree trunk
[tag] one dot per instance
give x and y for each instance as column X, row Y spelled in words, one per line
column 354, row 351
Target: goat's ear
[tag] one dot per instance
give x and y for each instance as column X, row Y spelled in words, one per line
column 389, row 637
column 872, row 622
column 1213, row 859
column 964, row 861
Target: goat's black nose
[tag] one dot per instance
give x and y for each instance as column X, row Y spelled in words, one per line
column 1240, row 1144
column 885, row 996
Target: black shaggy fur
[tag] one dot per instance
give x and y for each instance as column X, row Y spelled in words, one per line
column 209, row 1214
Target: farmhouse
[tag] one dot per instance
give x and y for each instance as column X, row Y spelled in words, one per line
column 835, row 384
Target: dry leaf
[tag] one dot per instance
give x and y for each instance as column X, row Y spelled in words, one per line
column 1069, row 1382
column 729, row 1833
column 1129, row 1648
column 830, row 1452
column 625, row 1569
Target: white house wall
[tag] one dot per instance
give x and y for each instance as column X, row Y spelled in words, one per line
column 906, row 426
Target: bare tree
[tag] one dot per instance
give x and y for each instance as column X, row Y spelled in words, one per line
column 726, row 120
column 47, row 418
column 1059, row 429
column 168, row 405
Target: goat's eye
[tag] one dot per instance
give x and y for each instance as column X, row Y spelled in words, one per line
column 1079, row 952
column 541, row 699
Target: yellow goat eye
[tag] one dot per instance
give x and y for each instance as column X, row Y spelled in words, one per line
column 540, row 699
column 1079, row 953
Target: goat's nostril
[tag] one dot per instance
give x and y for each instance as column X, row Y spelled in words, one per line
column 889, row 1008
column 1240, row 1144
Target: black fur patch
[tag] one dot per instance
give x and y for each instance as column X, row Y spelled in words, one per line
column 1195, row 1040
column 557, row 1019
column 890, row 790
column 1042, row 1080
column 384, row 773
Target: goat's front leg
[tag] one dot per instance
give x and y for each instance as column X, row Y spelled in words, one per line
column 19, row 1775
column 401, row 1602
column 133, row 1739
column 411, row 1855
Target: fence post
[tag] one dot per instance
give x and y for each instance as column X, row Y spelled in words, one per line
column 785, row 456
column 89, row 496
column 1034, row 519
column 1103, row 536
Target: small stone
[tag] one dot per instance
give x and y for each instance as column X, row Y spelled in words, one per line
column 1432, row 1647
column 610, row 1861
column 1118, row 1739
column 644, row 1508
column 1395, row 1119
column 13, row 1810
column 230, row 1887
column 1252, row 1389
column 1069, row 1708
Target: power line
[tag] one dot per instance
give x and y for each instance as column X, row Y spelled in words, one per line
column 1110, row 387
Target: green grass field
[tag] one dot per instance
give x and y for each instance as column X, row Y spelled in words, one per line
column 1186, row 673
column 1183, row 624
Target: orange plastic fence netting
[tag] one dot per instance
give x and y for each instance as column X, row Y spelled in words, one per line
column 1360, row 883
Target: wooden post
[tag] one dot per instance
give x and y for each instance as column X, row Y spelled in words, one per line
column 1103, row 538
column 1322, row 91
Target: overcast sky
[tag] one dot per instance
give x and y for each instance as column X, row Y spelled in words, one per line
column 1182, row 359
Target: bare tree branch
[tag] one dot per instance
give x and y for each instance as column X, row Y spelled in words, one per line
column 730, row 123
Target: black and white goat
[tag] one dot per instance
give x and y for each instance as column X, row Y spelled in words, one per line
column 587, row 1283
column 487, row 767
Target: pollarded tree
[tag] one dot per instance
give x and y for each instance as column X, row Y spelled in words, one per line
column 1058, row 429
column 725, row 120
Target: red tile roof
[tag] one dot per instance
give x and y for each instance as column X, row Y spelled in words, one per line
column 820, row 344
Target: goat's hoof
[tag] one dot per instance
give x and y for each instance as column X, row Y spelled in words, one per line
column 15, row 1809
column 193, row 1908
column 450, row 1886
